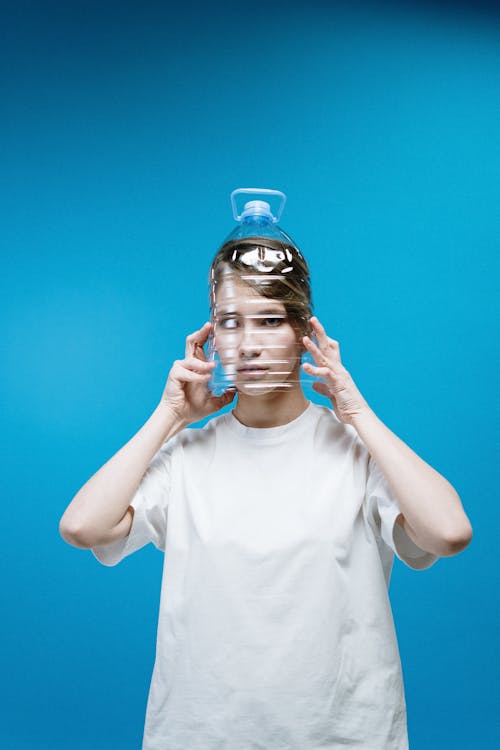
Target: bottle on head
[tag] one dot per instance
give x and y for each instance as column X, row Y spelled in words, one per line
column 260, row 301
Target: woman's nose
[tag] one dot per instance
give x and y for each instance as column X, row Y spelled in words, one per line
column 251, row 341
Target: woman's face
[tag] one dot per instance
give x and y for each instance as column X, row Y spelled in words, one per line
column 256, row 342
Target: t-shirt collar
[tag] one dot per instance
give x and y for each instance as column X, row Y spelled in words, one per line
column 258, row 434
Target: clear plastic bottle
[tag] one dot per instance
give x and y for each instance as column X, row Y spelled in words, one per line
column 258, row 260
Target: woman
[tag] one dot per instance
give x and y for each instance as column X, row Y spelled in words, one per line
column 279, row 520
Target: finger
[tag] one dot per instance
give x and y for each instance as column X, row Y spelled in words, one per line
column 323, row 359
column 329, row 347
column 322, row 388
column 205, row 333
column 199, row 352
column 183, row 374
column 191, row 365
column 320, row 332
column 198, row 364
column 196, row 340
column 218, row 402
column 322, row 372
column 319, row 350
column 325, row 342
column 318, row 355
column 225, row 398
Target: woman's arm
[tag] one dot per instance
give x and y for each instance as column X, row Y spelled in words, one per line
column 433, row 516
column 98, row 512
column 102, row 503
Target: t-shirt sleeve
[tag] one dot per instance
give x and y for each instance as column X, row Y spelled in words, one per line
column 383, row 508
column 150, row 503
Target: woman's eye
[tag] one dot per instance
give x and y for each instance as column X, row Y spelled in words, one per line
column 274, row 322
column 226, row 323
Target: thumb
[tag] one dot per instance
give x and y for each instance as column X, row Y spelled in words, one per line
column 224, row 399
column 322, row 388
column 229, row 395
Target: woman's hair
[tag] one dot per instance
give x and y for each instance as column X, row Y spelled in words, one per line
column 286, row 279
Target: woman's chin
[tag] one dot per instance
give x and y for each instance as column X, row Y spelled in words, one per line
column 260, row 389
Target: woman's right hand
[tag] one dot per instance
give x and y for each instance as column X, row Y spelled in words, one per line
column 186, row 394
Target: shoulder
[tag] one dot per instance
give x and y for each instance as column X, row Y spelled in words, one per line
column 330, row 427
column 199, row 438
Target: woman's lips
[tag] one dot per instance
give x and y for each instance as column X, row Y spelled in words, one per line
column 252, row 370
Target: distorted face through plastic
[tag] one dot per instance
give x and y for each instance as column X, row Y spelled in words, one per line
column 258, row 346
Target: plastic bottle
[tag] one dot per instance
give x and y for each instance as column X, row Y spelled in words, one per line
column 264, row 262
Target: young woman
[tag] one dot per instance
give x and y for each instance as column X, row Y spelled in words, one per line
column 279, row 520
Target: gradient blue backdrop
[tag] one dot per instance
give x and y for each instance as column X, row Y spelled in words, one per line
column 124, row 128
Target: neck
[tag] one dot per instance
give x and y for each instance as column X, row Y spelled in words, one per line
column 270, row 409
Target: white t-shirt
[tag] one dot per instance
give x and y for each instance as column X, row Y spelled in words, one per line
column 275, row 628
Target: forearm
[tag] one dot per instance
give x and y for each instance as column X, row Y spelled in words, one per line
column 103, row 501
column 429, row 503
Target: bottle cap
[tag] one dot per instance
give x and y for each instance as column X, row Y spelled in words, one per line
column 257, row 208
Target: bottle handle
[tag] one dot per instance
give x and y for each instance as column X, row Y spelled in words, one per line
column 258, row 191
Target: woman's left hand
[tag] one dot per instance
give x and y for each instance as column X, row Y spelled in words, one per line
column 339, row 386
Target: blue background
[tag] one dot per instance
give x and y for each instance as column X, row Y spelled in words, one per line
column 124, row 128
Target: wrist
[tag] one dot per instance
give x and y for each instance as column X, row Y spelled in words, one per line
column 171, row 421
column 363, row 417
